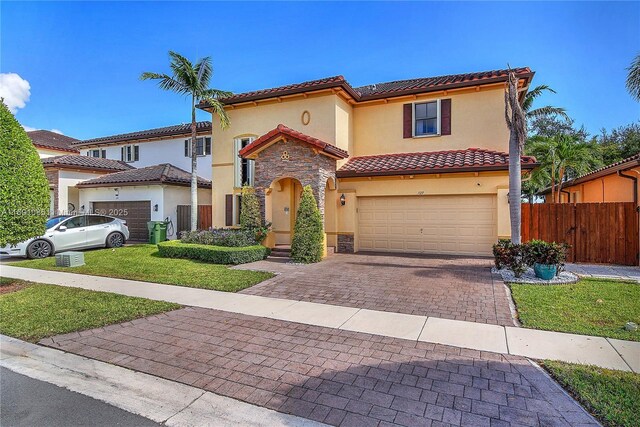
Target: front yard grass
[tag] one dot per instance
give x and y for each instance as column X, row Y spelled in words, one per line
column 142, row 262
column 37, row 311
column 597, row 307
column 612, row 396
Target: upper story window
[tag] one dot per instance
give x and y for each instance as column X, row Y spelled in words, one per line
column 130, row 153
column 102, row 154
column 426, row 118
column 244, row 168
column 203, row 146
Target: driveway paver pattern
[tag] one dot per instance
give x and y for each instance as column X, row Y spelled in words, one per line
column 439, row 286
column 337, row 377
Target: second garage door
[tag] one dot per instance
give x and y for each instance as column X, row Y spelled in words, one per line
column 137, row 214
column 460, row 225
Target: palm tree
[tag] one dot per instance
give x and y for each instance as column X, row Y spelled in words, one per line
column 517, row 124
column 560, row 157
column 192, row 80
column 633, row 78
column 548, row 110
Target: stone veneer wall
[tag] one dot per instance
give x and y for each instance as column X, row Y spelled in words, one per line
column 345, row 243
column 52, row 177
column 303, row 164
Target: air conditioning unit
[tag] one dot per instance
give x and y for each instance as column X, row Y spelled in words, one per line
column 69, row 259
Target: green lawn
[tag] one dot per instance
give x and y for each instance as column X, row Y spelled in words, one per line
column 591, row 307
column 142, row 262
column 612, row 396
column 38, row 311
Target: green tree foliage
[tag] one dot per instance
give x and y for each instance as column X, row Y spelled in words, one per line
column 308, row 234
column 250, row 217
column 24, row 189
column 546, row 111
column 620, row 143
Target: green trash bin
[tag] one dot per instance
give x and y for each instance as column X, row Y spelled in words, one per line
column 157, row 231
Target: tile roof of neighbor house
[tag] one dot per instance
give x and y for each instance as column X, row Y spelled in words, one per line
column 281, row 130
column 629, row 162
column 164, row 173
column 84, row 162
column 176, row 130
column 52, row 140
column 469, row 160
column 381, row 90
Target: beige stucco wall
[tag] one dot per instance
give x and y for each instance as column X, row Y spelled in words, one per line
column 477, row 120
column 67, row 192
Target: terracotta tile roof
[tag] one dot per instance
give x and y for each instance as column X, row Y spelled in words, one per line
column 629, row 162
column 52, row 140
column 380, row 90
column 471, row 159
column 176, row 130
column 84, row 162
column 163, row 173
column 281, row 130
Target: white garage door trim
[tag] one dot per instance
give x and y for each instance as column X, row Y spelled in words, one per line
column 451, row 224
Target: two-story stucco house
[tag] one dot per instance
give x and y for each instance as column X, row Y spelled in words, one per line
column 408, row 166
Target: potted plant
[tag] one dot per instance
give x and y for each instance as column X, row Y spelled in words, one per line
column 547, row 258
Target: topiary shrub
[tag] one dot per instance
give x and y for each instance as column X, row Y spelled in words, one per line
column 213, row 254
column 308, row 233
column 229, row 237
column 250, row 216
column 24, row 189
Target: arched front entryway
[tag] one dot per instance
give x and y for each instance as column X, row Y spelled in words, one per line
column 282, row 200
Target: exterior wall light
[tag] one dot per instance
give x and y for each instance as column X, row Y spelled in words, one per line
column 155, row 207
column 343, row 200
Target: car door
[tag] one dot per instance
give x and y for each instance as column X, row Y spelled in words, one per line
column 98, row 228
column 71, row 234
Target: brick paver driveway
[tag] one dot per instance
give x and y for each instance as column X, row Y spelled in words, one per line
column 336, row 377
column 448, row 287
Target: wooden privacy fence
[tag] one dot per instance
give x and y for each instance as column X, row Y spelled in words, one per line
column 597, row 232
column 184, row 218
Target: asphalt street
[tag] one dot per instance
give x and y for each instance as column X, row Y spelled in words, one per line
column 25, row 402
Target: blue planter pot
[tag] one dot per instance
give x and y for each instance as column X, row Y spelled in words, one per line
column 545, row 271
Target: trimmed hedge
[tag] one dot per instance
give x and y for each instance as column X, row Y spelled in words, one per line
column 213, row 254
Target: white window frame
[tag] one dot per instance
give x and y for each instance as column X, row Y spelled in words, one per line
column 204, row 146
column 237, row 162
column 438, row 119
column 127, row 153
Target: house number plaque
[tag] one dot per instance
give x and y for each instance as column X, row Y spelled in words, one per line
column 285, row 155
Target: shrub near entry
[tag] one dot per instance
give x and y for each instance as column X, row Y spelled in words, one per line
column 308, row 234
column 213, row 254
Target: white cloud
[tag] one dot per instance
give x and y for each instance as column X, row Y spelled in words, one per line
column 15, row 90
column 57, row 131
column 28, row 128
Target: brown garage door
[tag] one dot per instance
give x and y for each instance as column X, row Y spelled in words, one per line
column 137, row 214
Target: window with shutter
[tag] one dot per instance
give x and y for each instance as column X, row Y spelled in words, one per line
column 136, row 153
column 207, row 146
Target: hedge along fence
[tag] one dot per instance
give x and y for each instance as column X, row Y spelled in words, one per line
column 213, row 254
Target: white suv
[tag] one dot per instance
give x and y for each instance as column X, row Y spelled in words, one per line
column 70, row 233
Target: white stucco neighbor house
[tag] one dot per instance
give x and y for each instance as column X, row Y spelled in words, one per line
column 139, row 195
column 64, row 172
column 151, row 147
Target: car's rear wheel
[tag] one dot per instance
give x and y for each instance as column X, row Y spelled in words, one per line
column 39, row 249
column 115, row 240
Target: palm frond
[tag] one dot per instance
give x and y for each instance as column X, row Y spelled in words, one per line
column 204, row 71
column 183, row 70
column 217, row 93
column 533, row 94
column 633, row 78
column 166, row 82
column 152, row 76
column 547, row 111
column 217, row 108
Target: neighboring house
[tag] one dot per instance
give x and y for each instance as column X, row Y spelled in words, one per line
column 64, row 172
column 152, row 193
column 617, row 182
column 49, row 144
column 408, row 166
column 151, row 147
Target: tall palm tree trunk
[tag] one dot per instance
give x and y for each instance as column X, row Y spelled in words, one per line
column 194, row 168
column 515, row 188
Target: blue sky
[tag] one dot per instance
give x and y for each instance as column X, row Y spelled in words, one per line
column 83, row 60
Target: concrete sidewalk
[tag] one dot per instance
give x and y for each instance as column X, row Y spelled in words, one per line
column 603, row 352
column 604, row 271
